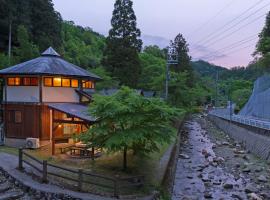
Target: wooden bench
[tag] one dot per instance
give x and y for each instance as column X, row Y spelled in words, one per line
column 66, row 148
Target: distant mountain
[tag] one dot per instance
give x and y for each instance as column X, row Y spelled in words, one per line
column 204, row 68
column 155, row 40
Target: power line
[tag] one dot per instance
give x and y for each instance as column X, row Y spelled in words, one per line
column 228, row 35
column 231, row 46
column 229, row 53
column 234, row 19
column 212, row 18
column 240, row 21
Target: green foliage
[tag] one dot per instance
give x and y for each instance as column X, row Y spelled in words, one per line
column 180, row 47
column 240, row 97
column 4, row 61
column 82, row 46
column 153, row 70
column 123, row 45
column 155, row 51
column 107, row 80
column 26, row 50
column 128, row 121
column 263, row 45
column 38, row 17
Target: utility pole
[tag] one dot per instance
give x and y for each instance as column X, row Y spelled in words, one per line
column 216, row 98
column 172, row 59
column 9, row 41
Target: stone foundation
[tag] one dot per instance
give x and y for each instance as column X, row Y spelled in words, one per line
column 17, row 143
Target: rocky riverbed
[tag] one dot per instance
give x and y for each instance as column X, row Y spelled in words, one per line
column 213, row 166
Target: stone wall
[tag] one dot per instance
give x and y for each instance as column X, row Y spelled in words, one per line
column 254, row 139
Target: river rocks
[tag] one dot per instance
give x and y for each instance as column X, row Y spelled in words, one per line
column 236, row 151
column 184, row 156
column 208, row 195
column 250, row 189
column 225, row 143
column 246, row 170
column 262, row 179
column 253, row 196
column 259, row 169
column 228, row 185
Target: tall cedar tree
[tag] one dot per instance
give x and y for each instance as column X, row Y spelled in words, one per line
column 121, row 57
column 263, row 45
column 39, row 18
column 180, row 48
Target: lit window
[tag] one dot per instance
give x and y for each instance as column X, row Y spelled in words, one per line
column 18, row 117
column 57, row 82
column 88, row 84
column 48, row 82
column 65, row 82
column 14, row 81
column 17, row 81
column 34, row 81
column 74, row 83
column 26, row 81
column 11, row 81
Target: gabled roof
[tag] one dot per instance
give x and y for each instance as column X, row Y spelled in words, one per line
column 50, row 63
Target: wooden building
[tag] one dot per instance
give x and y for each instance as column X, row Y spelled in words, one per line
column 46, row 99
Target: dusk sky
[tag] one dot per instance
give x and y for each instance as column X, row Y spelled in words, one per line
column 207, row 25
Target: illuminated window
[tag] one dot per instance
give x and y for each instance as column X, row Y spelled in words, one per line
column 14, row 116
column 11, row 81
column 88, row 84
column 30, row 81
column 14, row 81
column 25, row 81
column 18, row 116
column 48, row 81
column 60, row 82
column 34, row 81
column 57, row 82
column 74, row 83
column 65, row 82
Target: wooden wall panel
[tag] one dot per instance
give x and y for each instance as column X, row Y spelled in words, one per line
column 45, row 117
column 29, row 127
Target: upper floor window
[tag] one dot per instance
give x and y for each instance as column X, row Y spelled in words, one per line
column 88, row 84
column 60, row 82
column 22, row 81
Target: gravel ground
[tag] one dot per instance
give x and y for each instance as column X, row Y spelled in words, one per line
column 213, row 166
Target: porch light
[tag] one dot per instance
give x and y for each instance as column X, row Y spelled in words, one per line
column 59, row 125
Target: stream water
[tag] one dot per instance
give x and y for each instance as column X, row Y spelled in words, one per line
column 212, row 166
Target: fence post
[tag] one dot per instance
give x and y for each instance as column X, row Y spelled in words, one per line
column 116, row 188
column 20, row 167
column 44, row 171
column 80, row 179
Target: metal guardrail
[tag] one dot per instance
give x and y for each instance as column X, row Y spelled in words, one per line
column 243, row 120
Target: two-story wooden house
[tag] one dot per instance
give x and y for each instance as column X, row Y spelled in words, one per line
column 46, row 99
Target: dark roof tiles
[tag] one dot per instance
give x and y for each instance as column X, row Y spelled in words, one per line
column 50, row 63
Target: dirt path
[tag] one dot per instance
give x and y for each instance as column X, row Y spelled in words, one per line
column 212, row 166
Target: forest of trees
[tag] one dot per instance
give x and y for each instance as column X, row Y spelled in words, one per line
column 121, row 58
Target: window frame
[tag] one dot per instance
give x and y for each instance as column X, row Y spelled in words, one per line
column 21, row 81
column 88, row 84
column 12, row 116
column 71, row 85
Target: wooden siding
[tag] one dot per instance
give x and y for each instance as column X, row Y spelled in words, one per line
column 29, row 126
column 45, row 118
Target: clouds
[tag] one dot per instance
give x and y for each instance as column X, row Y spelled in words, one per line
column 160, row 21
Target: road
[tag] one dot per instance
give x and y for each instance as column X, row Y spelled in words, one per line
column 213, row 166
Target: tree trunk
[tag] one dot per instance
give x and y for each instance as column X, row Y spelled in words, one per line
column 125, row 159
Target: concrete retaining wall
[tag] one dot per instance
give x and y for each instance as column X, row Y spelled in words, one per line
column 252, row 139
